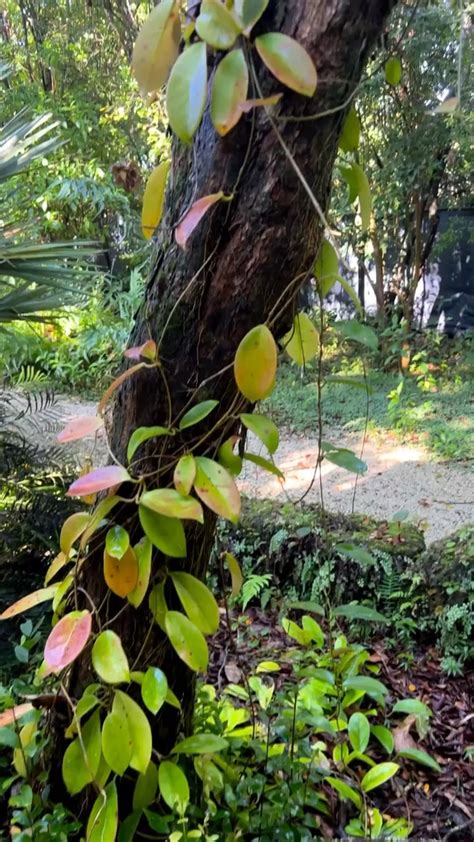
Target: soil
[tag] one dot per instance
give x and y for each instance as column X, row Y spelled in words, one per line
column 400, row 476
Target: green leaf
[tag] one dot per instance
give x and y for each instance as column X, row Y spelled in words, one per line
column 350, row 177
column 146, row 787
column 186, row 92
column 352, row 295
column 255, row 364
column 288, row 61
column 357, row 553
column 197, row 601
column 344, row 458
column 117, row 541
column 314, row 630
column 235, row 573
column 301, row 343
column 249, row 12
column 158, row 606
column 197, row 413
column 355, row 382
column 128, row 827
column 421, row 757
column 108, row 658
column 143, row 553
column 217, row 489
column 359, row 731
column 154, row 689
column 201, row 744
column 294, row 631
column 347, row 792
column 216, row 25
column 393, row 71
column 157, row 46
column 359, row 612
column 185, row 474
column 165, row 533
column 103, row 820
column 412, row 706
column 228, row 459
column 264, row 429
column 152, row 206
column 378, row 775
column 174, row 787
column 72, row 529
column 187, row 640
column 371, row 686
column 139, row 729
column 117, row 741
column 350, row 136
column 264, row 463
column 143, row 434
column 229, row 91
column 357, row 332
column 384, row 736
column 79, row 770
column 326, row 268
column 172, row 504
column 307, row 605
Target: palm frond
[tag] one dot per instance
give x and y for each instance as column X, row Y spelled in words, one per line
column 20, row 142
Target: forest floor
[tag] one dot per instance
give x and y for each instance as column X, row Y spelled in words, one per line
column 402, row 475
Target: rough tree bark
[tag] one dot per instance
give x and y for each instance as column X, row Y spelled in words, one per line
column 243, row 259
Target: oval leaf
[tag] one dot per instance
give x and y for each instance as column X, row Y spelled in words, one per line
column 230, row 460
column 165, row 533
column 421, row 757
column 67, row 640
column 249, row 12
column 189, row 643
column 255, row 364
column 302, row 341
column 154, row 689
column 288, row 61
column 29, row 601
column 264, row 429
column 350, row 135
column 197, row 413
column 174, row 787
column 121, row 574
column 229, row 91
column 378, row 775
column 185, row 474
column 344, row 458
column 371, row 686
column 384, row 736
column 157, row 46
column 265, row 464
column 108, row 658
column 146, row 787
column 79, row 428
column 72, row 529
column 216, row 25
column 235, row 573
column 103, row 820
column 143, row 434
column 169, row 502
column 326, row 268
column 197, row 600
column 82, row 757
column 154, row 198
column 186, row 92
column 393, row 71
column 143, row 553
column 345, row 791
column 201, row 744
column 190, row 221
column 217, row 489
column 117, row 541
column 99, row 480
column 157, row 604
column 359, row 731
column 116, row 741
column 139, row 729
column 357, row 332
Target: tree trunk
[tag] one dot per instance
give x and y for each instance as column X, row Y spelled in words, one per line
column 243, row 267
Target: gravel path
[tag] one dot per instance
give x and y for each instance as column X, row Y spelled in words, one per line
column 439, row 496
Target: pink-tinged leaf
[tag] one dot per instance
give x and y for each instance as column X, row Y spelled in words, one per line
column 29, row 601
column 192, row 218
column 147, row 350
column 115, row 383
column 67, row 640
column 8, row 717
column 99, row 480
column 267, row 101
column 79, row 428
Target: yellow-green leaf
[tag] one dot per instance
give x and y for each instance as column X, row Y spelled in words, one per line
column 393, row 71
column 264, row 429
column 249, row 12
column 146, row 786
column 79, row 767
column 157, row 604
column 350, row 135
column 117, row 541
column 143, row 552
column 378, row 775
column 255, row 364
column 184, row 474
column 169, row 502
column 29, row 601
column 157, row 46
column 229, row 91
column 288, row 61
column 186, row 92
column 108, row 658
column 216, row 25
column 197, row 600
column 121, row 574
column 154, row 689
column 116, row 741
column 230, row 460
column 326, row 268
column 165, row 533
column 154, row 198
column 197, row 413
column 302, row 341
column 103, row 820
column 217, row 489
column 186, row 639
column 143, row 434
column 235, row 573
column 72, row 529
column 174, row 787
column 139, row 729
